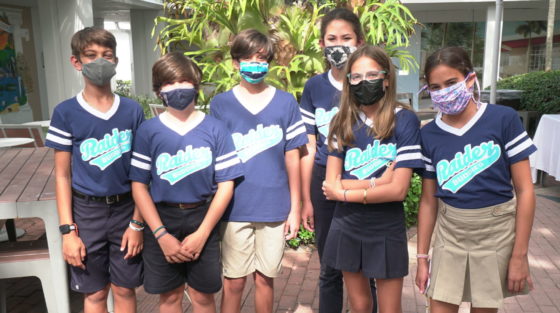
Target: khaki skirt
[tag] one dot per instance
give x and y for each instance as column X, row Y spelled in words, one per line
column 471, row 254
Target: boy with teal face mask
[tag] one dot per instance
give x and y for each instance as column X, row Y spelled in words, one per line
column 92, row 136
column 267, row 130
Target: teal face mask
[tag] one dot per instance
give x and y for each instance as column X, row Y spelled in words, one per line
column 253, row 72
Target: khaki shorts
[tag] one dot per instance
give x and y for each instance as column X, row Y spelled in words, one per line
column 471, row 254
column 252, row 246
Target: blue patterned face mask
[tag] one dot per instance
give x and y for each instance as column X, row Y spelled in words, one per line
column 253, row 72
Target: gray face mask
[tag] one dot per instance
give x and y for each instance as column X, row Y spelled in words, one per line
column 100, row 71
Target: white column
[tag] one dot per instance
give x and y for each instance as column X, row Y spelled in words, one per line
column 143, row 53
column 59, row 20
column 489, row 44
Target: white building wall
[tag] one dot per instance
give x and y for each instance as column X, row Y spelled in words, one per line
column 143, row 52
column 59, row 20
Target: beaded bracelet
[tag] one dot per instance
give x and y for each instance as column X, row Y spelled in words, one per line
column 372, row 183
column 422, row 256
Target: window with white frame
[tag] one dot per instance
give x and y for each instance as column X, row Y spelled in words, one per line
column 537, row 57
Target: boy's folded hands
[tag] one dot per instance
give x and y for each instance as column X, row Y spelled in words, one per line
column 172, row 249
column 188, row 250
column 192, row 245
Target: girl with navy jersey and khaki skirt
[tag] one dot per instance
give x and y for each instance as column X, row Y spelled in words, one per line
column 475, row 154
column 367, row 236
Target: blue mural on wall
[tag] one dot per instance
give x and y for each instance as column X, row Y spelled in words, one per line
column 12, row 91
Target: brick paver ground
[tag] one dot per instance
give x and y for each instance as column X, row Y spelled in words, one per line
column 296, row 289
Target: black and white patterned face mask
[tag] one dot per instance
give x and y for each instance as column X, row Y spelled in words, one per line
column 338, row 55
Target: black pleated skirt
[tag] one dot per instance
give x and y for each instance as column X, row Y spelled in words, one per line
column 368, row 238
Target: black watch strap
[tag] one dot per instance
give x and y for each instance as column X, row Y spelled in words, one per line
column 67, row 228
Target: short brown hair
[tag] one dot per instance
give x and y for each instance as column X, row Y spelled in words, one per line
column 249, row 42
column 175, row 67
column 89, row 36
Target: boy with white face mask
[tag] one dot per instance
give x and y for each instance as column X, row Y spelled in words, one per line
column 92, row 136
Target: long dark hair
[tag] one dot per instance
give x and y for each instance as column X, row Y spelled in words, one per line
column 344, row 15
column 454, row 57
column 384, row 120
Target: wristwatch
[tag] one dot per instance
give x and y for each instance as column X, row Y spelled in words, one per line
column 67, row 228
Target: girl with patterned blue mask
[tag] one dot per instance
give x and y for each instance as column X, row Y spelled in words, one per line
column 367, row 237
column 476, row 157
column 341, row 33
column 183, row 169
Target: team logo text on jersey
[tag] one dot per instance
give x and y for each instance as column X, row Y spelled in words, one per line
column 453, row 175
column 104, row 152
column 323, row 119
column 368, row 161
column 257, row 140
column 173, row 168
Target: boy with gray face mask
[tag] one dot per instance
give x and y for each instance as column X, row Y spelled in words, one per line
column 91, row 135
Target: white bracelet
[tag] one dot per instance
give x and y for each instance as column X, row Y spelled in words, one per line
column 372, row 183
column 134, row 227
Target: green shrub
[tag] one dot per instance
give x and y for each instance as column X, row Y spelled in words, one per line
column 304, row 237
column 144, row 102
column 123, row 87
column 541, row 90
column 205, row 29
column 412, row 201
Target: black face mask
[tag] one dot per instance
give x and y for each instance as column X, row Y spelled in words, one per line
column 368, row 92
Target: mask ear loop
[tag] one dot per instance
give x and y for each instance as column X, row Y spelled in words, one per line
column 477, row 90
column 422, row 89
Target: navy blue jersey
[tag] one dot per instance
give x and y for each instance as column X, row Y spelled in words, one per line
column 368, row 157
column 183, row 164
column 100, row 143
column 472, row 164
column 319, row 104
column 261, row 139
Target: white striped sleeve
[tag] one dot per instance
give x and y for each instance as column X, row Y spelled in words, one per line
column 517, row 143
column 227, row 160
column 141, row 161
column 308, row 117
column 140, row 164
column 58, row 139
column 59, row 135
